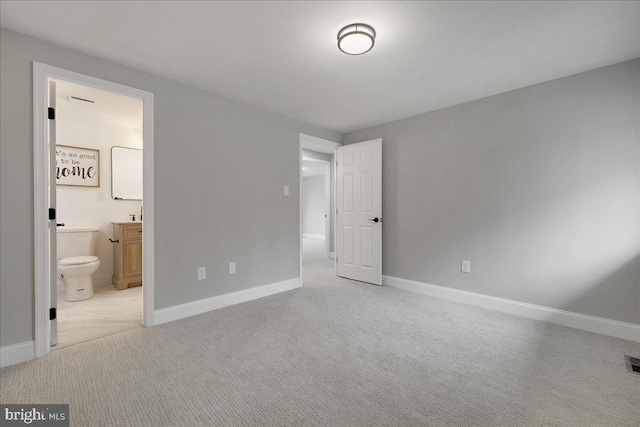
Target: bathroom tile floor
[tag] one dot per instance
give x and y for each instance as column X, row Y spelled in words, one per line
column 108, row 312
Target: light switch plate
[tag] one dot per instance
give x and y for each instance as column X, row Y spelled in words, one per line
column 232, row 267
column 286, row 190
column 202, row 273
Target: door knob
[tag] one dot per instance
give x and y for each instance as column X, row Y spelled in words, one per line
column 374, row 219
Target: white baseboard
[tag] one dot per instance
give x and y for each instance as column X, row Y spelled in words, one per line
column 599, row 325
column 17, row 353
column 332, row 255
column 313, row 236
column 181, row 311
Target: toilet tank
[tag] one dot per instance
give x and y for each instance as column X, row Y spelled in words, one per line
column 76, row 241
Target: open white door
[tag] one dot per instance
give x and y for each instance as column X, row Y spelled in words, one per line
column 53, row 258
column 359, row 205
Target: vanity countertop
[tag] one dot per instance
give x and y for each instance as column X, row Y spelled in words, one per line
column 126, row 222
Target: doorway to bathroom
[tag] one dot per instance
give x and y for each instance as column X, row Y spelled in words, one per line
column 94, row 264
column 99, row 180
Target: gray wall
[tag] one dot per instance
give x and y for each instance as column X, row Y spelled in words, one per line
column 538, row 188
column 313, row 205
column 219, row 171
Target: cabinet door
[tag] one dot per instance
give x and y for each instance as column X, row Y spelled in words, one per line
column 132, row 265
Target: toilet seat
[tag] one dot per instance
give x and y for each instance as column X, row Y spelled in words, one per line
column 77, row 260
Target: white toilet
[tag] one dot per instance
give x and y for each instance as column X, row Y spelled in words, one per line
column 76, row 247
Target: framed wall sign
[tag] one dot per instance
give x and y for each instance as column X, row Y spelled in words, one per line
column 77, row 166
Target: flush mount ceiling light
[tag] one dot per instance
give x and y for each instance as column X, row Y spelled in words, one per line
column 356, row 39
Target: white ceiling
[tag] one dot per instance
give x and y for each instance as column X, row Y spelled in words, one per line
column 108, row 106
column 282, row 56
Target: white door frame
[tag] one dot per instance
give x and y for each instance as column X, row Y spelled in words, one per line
column 312, row 143
column 42, row 74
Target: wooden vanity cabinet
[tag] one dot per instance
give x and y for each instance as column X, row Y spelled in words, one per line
column 127, row 255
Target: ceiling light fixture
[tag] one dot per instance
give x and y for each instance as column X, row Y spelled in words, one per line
column 356, row 39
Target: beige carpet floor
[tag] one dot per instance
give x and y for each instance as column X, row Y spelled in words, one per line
column 339, row 353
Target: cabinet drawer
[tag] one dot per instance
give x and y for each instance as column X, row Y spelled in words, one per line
column 132, row 231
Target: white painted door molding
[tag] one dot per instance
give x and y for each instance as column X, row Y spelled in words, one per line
column 359, row 219
column 42, row 75
column 53, row 231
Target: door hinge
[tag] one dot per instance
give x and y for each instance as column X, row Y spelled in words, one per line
column 52, row 113
column 52, row 313
column 52, row 213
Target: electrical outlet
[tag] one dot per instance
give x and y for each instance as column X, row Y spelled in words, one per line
column 232, row 267
column 286, row 191
column 465, row 266
column 202, row 273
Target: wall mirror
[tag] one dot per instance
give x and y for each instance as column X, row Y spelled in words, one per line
column 126, row 173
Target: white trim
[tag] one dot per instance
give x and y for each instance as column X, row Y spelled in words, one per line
column 17, row 353
column 40, row 225
column 192, row 308
column 320, row 145
column 599, row 325
column 300, row 254
column 42, row 73
column 313, row 236
column 148, row 202
column 334, row 212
